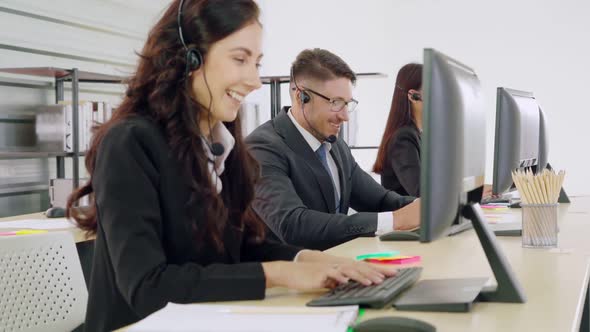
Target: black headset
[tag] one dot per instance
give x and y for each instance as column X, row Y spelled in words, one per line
column 305, row 98
column 414, row 96
column 194, row 58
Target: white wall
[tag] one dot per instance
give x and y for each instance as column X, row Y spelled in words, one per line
column 541, row 46
column 536, row 45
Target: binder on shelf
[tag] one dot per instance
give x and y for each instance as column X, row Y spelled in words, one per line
column 54, row 125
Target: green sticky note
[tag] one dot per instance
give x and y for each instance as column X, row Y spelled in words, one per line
column 384, row 254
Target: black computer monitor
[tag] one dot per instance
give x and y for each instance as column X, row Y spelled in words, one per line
column 453, row 142
column 520, row 137
column 453, row 163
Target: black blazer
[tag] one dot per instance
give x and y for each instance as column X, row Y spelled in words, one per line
column 145, row 255
column 401, row 171
column 296, row 196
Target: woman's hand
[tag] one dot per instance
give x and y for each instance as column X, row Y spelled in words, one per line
column 366, row 273
column 315, row 275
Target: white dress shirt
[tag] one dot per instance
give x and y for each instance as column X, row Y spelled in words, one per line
column 384, row 219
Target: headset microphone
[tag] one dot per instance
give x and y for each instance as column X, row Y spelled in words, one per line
column 305, row 98
column 217, row 149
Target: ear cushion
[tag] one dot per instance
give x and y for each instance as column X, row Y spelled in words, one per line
column 305, row 98
column 194, row 59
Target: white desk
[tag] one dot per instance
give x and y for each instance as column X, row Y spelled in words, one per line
column 555, row 282
column 79, row 235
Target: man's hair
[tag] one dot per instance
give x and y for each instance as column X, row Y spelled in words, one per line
column 322, row 65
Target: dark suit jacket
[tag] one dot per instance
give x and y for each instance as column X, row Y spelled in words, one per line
column 295, row 196
column 401, row 171
column 145, row 254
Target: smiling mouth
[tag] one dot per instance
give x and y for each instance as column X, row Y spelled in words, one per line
column 336, row 126
column 235, row 96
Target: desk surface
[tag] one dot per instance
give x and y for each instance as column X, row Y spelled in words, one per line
column 555, row 281
column 79, row 235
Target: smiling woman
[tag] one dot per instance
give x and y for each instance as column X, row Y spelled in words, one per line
column 172, row 211
column 230, row 73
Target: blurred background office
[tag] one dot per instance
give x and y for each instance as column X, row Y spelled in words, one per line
column 540, row 46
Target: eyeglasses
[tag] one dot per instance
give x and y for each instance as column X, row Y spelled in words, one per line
column 337, row 104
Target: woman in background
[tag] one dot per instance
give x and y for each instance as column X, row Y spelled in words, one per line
column 398, row 158
column 171, row 181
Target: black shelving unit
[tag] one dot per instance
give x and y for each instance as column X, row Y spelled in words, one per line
column 36, row 154
column 61, row 76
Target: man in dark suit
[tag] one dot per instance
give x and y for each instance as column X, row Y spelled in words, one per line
column 309, row 178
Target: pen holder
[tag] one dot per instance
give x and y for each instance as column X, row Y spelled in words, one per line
column 539, row 225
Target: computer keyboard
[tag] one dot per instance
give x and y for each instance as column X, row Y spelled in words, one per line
column 374, row 296
column 492, row 200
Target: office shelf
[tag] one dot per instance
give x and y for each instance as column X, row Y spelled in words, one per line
column 65, row 74
column 36, row 154
column 27, row 188
column 60, row 76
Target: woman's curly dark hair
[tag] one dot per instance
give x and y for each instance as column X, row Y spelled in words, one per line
column 158, row 91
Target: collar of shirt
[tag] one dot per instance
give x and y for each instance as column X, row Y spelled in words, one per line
column 313, row 142
column 217, row 164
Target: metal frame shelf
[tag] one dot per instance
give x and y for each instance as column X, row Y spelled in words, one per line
column 60, row 76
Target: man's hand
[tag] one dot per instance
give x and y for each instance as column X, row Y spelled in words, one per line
column 487, row 191
column 408, row 217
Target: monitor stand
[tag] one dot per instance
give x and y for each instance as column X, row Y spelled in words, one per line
column 459, row 294
column 460, row 227
column 509, row 288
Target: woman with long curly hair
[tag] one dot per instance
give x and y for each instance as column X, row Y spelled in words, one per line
column 171, row 181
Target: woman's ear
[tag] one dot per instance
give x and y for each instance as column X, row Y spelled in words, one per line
column 198, row 71
column 414, row 96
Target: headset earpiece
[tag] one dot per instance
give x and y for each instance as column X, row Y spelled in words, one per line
column 416, row 96
column 304, row 97
column 194, row 59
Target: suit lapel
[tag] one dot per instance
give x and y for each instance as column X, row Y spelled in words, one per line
column 286, row 129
